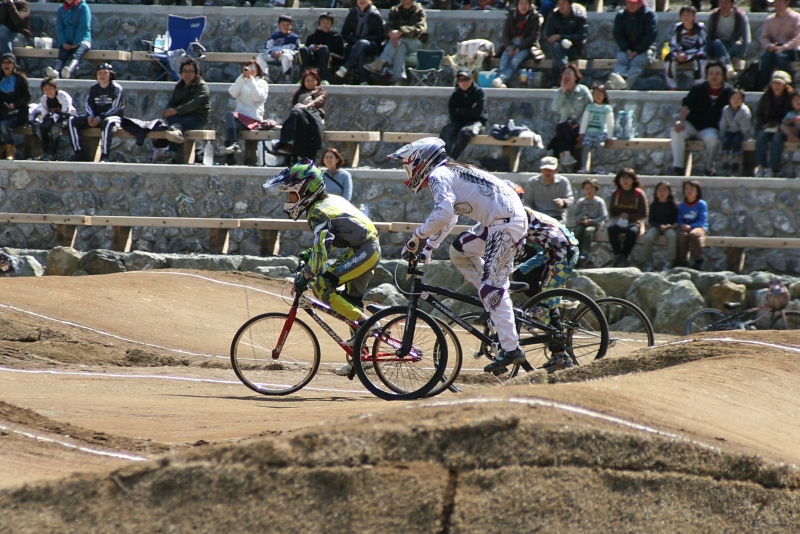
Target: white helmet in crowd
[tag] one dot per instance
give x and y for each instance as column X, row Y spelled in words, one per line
column 419, row 160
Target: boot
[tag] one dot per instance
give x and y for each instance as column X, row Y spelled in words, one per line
column 68, row 69
column 376, row 67
column 10, row 151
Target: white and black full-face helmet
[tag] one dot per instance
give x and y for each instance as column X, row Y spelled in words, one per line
column 419, row 159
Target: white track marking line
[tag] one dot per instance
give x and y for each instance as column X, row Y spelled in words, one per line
column 69, row 445
column 534, row 401
column 160, row 377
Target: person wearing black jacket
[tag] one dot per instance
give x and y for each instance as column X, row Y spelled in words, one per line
column 521, row 33
column 105, row 107
column 364, row 35
column 467, row 108
column 15, row 24
column 324, row 48
column 700, row 116
column 565, row 32
column 14, row 97
column 635, row 32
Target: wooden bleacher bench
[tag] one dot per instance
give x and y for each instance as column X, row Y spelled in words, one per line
column 351, row 143
column 542, row 65
column 95, row 56
column 512, row 148
column 122, row 226
column 609, row 64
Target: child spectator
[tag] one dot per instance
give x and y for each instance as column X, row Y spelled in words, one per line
column 597, row 122
column 104, row 109
column 49, row 117
column 14, row 97
column 629, row 207
column 281, row 46
column 588, row 216
column 687, row 44
column 74, row 31
column 692, row 224
column 663, row 219
column 324, row 48
column 735, row 129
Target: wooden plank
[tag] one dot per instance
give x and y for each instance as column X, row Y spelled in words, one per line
column 230, row 57
column 543, row 64
column 408, row 227
column 168, row 222
column 342, row 136
column 408, row 137
column 91, row 55
column 197, row 135
column 43, row 218
column 753, row 242
column 301, row 225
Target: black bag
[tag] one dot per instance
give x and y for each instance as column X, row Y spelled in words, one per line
column 747, row 80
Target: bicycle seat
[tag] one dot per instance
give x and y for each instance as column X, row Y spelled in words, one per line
column 516, row 287
column 374, row 308
column 732, row 305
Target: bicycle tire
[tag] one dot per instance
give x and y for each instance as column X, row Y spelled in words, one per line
column 707, row 320
column 629, row 329
column 792, row 320
column 394, row 378
column 455, row 358
column 252, row 361
column 585, row 339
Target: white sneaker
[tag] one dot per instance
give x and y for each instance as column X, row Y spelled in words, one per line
column 498, row 83
column 174, row 135
column 344, row 370
column 352, row 341
column 616, row 82
column 233, row 149
column 342, row 72
column 568, row 160
column 65, row 73
column 50, row 73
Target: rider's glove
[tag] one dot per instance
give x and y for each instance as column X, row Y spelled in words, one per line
column 301, row 282
column 412, row 245
column 304, row 256
column 425, row 255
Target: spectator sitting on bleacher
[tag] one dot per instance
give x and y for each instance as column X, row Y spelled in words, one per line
column 791, row 123
column 772, row 108
column 337, row 180
column 687, row 43
column 663, row 220
column 14, row 97
column 281, row 46
column 734, row 127
column 587, row 216
column 363, row 33
column 565, row 31
column 597, row 129
column 74, row 30
column 569, row 102
column 324, row 48
column 15, row 24
column 188, row 107
column 549, row 193
column 699, row 118
column 629, row 207
column 302, row 131
column 105, row 108
column 468, row 114
column 250, row 91
column 728, row 34
column 49, row 117
column 635, row 32
column 406, row 27
column 780, row 39
column 521, row 33
column 692, row 225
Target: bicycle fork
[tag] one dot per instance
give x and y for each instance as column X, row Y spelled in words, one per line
column 287, row 326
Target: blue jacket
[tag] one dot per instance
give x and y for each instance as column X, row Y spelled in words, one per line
column 636, row 31
column 74, row 26
column 695, row 216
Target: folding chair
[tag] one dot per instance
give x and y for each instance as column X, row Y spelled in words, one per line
column 428, row 69
column 181, row 40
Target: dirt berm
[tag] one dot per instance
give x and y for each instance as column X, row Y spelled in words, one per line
column 486, row 465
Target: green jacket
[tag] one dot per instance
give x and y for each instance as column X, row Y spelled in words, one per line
column 194, row 99
column 409, row 21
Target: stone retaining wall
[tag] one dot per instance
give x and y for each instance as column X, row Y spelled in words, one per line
column 739, row 207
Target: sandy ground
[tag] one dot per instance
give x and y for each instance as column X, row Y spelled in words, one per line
column 99, row 373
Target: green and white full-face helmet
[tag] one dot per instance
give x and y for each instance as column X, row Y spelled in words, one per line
column 303, row 178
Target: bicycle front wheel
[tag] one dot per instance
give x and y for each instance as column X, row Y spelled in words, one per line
column 629, row 329
column 264, row 367
column 708, row 320
column 387, row 372
column 584, row 333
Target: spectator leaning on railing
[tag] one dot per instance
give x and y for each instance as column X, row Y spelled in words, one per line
column 565, row 34
column 780, row 40
column 15, row 24
column 728, row 34
column 406, row 27
column 635, row 32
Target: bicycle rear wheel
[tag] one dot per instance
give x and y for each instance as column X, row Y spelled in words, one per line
column 254, row 358
column 789, row 320
column 707, row 320
column 629, row 329
column 394, row 376
column 585, row 330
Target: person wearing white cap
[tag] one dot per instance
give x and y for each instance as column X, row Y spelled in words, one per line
column 635, row 32
column 773, row 106
column 549, row 193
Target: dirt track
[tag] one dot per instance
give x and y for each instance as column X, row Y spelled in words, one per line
column 136, row 364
